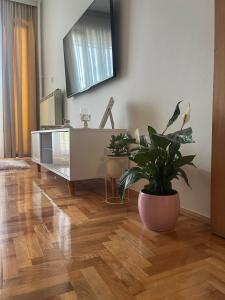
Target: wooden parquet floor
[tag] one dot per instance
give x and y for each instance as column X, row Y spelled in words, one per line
column 53, row 246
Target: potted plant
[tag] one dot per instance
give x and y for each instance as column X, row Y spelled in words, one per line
column 117, row 160
column 159, row 160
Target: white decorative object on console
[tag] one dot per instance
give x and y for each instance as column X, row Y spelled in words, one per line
column 85, row 116
column 75, row 154
column 107, row 114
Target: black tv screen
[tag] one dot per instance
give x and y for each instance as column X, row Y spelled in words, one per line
column 89, row 49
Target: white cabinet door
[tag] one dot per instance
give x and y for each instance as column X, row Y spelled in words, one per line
column 61, row 152
column 36, row 147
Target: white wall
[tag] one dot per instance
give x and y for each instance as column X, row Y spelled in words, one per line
column 166, row 54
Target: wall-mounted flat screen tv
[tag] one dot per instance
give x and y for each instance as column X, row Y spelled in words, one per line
column 89, row 49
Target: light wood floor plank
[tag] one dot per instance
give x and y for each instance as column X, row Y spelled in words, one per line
column 98, row 285
column 57, row 247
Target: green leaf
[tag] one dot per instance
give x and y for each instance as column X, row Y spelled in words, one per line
column 175, row 115
column 182, row 136
column 184, row 160
column 144, row 157
column 144, row 141
column 160, row 141
column 182, row 174
column 151, row 131
column 153, row 171
column 129, row 178
column 173, row 150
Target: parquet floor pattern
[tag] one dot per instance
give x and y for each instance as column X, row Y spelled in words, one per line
column 53, row 246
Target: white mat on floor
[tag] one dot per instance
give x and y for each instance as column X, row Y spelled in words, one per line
column 13, row 164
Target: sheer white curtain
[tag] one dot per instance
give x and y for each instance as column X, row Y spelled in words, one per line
column 18, row 101
column 1, row 99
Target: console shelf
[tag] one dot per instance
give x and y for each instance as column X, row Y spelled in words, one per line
column 75, row 154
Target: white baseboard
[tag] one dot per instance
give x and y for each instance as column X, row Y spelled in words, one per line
column 194, row 215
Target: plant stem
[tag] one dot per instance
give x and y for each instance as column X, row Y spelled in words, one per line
column 164, row 131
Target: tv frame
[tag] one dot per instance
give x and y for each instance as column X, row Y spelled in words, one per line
column 113, row 51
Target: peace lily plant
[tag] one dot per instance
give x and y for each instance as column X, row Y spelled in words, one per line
column 158, row 160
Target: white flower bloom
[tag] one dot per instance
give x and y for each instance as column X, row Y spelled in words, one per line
column 187, row 115
column 137, row 136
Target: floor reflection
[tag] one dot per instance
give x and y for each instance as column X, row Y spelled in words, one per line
column 60, row 226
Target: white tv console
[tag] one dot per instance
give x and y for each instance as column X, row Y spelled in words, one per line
column 75, row 154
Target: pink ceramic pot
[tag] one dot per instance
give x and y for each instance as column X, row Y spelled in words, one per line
column 159, row 213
